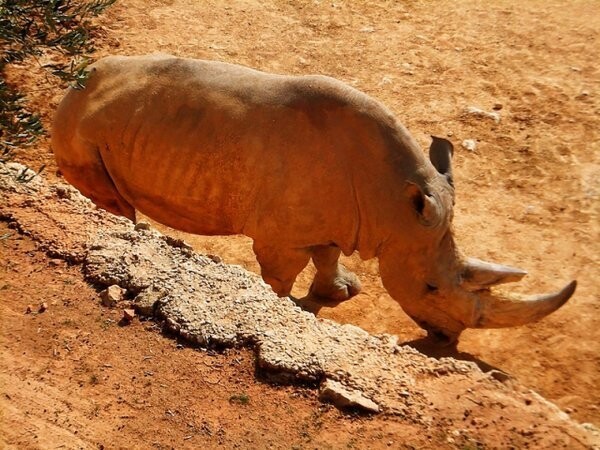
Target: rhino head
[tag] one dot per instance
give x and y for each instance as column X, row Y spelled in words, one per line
column 443, row 291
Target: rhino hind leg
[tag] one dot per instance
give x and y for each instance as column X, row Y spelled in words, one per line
column 332, row 280
column 279, row 266
column 82, row 166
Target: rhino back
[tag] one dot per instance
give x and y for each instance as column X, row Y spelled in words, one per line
column 214, row 148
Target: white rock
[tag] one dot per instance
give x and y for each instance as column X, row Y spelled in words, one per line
column 141, row 226
column 385, row 80
column 128, row 315
column 342, row 397
column 478, row 112
column 112, row 295
column 499, row 375
column 470, row 144
column 145, row 302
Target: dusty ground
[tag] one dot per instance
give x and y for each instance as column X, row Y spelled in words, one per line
column 528, row 195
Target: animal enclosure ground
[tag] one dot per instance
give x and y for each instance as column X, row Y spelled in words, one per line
column 526, row 196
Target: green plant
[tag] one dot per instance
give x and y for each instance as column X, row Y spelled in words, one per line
column 242, row 399
column 27, row 29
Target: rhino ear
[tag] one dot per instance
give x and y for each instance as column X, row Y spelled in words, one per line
column 428, row 209
column 440, row 155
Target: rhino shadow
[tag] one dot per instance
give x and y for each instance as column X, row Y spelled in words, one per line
column 429, row 347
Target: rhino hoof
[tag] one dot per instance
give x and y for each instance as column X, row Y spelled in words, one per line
column 340, row 290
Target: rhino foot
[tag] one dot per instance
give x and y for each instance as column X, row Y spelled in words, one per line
column 343, row 286
column 332, row 280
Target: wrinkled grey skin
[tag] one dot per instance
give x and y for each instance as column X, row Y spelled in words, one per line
column 308, row 167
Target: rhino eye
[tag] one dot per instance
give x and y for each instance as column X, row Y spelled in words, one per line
column 431, row 287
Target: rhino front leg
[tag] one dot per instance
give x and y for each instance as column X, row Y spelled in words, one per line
column 279, row 267
column 332, row 280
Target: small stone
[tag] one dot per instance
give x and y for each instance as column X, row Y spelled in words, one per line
column 112, row 295
column 141, row 226
column 342, row 397
column 128, row 315
column 43, row 307
column 177, row 243
column 469, row 144
column 583, row 95
column 385, row 80
column 62, row 192
column 408, row 69
column 478, row 112
column 29, row 309
column 145, row 302
column 55, row 262
column 475, row 421
column 215, row 258
column 499, row 375
column 497, row 106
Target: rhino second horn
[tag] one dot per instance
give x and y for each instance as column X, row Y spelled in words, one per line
column 478, row 274
column 499, row 311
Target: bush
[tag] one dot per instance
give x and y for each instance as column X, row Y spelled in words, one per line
column 28, row 28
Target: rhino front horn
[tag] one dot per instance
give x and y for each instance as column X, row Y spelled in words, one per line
column 498, row 311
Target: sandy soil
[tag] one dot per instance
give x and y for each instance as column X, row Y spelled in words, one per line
column 527, row 196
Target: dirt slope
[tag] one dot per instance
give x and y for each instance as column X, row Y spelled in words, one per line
column 221, row 306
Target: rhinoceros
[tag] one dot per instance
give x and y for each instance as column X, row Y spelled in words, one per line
column 306, row 166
